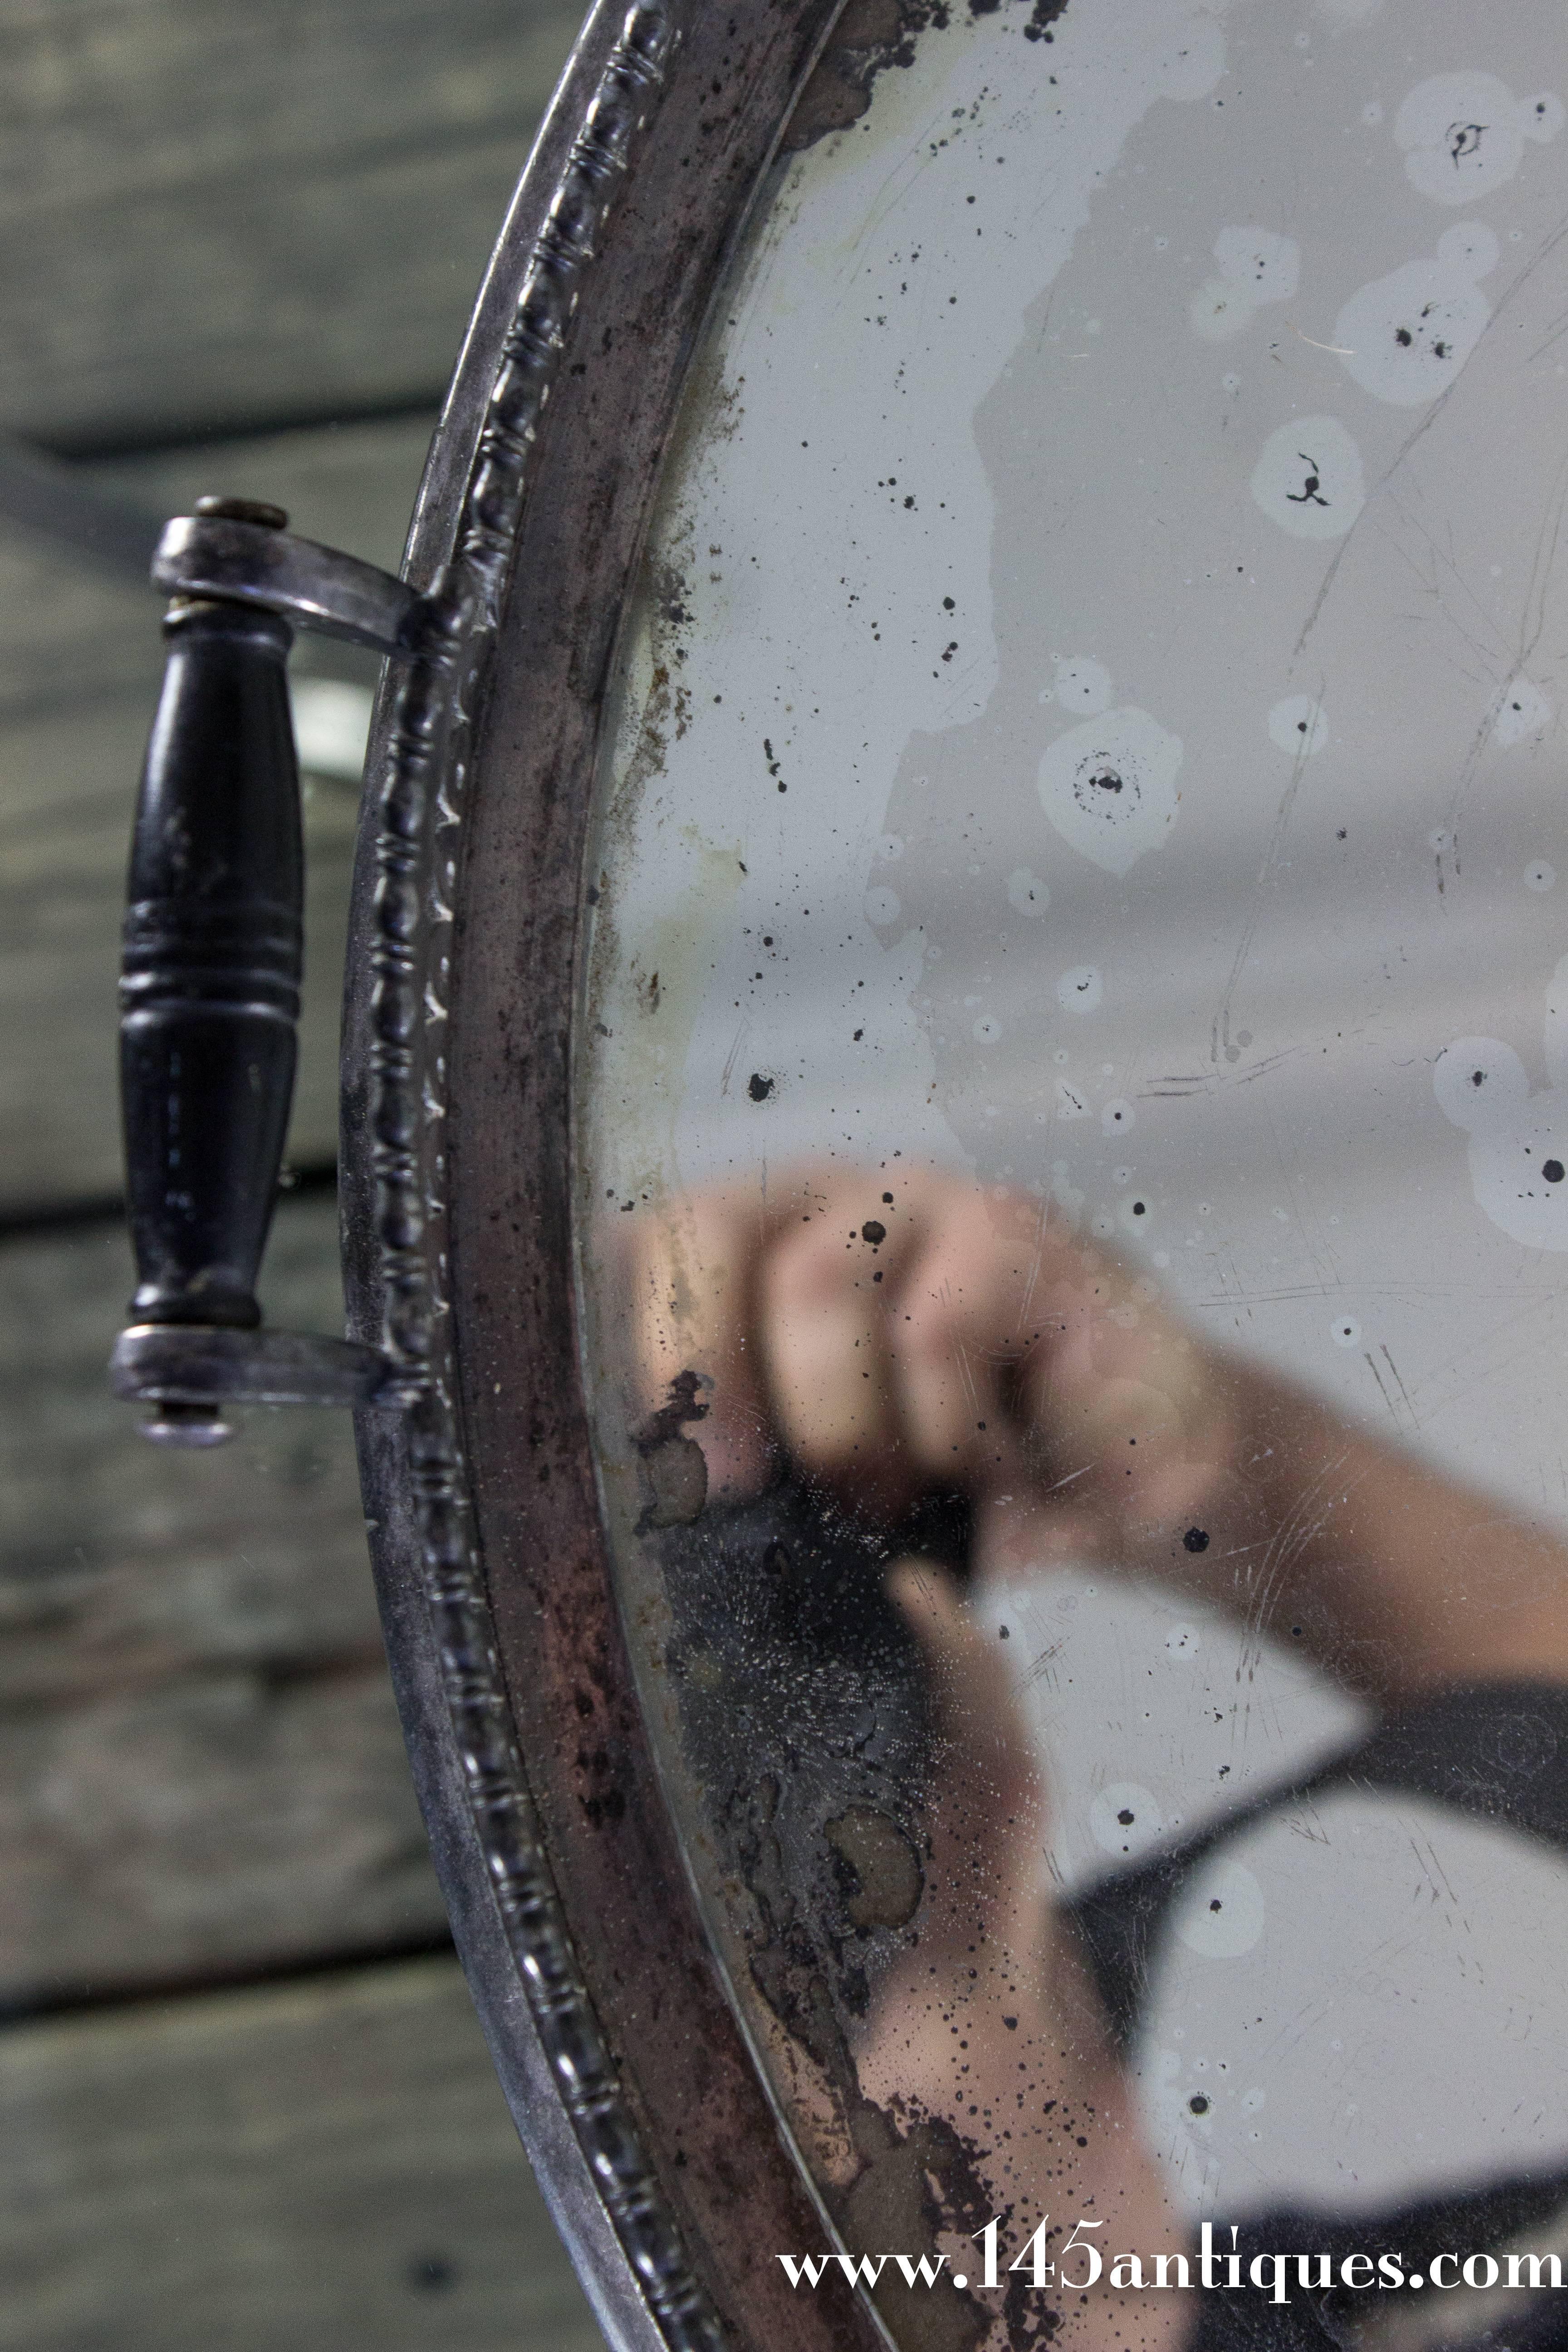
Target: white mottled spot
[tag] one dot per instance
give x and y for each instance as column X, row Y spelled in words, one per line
column 1115, row 1118
column 1220, row 1912
column 1478, row 1081
column 1308, row 479
column 1522, row 711
column 882, row 907
column 1540, row 876
column 1519, row 1141
column 1110, row 786
column 1082, row 684
column 1081, row 990
column 1182, row 1641
column 1299, row 725
column 1463, row 134
column 1345, row 1331
column 1371, row 113
column 1255, row 267
column 1102, row 1225
column 1125, row 1819
column 1134, row 1217
column 890, row 849
column 1405, row 338
column 1253, row 2101
column 987, row 1029
column 1027, row 894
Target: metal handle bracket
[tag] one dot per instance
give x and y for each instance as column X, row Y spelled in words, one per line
column 241, row 562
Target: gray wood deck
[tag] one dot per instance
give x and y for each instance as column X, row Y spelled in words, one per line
column 314, row 2166
column 238, row 248
column 213, row 216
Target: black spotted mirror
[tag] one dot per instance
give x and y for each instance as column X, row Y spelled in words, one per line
column 955, row 1137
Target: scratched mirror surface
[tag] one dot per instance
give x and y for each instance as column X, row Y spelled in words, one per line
column 1072, row 1115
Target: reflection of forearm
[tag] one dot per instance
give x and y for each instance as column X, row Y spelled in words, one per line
column 1019, row 2063
column 1387, row 1572
column 1113, row 2180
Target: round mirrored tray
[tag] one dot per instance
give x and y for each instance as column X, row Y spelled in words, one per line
column 952, row 1084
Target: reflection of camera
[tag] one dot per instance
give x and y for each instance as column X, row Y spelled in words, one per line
column 806, row 1717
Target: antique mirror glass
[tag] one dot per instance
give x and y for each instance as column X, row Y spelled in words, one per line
column 1070, row 1161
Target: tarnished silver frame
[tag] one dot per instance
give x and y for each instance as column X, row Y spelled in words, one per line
column 652, row 2138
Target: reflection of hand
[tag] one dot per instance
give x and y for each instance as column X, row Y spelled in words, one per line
column 988, row 2022
column 944, row 1338
column 888, row 1334
column 893, row 1333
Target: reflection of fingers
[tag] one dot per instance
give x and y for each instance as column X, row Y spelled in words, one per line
column 955, row 1325
column 1125, row 1404
column 691, row 1273
column 824, row 1333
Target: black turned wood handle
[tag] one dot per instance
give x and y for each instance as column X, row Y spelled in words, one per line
column 210, row 990
column 209, row 993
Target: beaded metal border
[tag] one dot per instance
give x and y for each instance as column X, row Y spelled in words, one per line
column 418, row 818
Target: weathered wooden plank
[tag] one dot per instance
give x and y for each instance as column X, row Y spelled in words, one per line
column 213, row 215
column 71, row 635
column 201, row 1768
column 207, row 1828
column 53, row 499
column 327, row 2165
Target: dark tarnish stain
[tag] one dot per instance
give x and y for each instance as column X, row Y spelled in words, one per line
column 807, row 1724
column 674, row 1469
column 911, row 2185
column 759, row 1085
column 1028, row 2323
column 870, row 36
column 915, row 2179
column 886, row 1878
column 1311, row 491
column 1042, row 16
